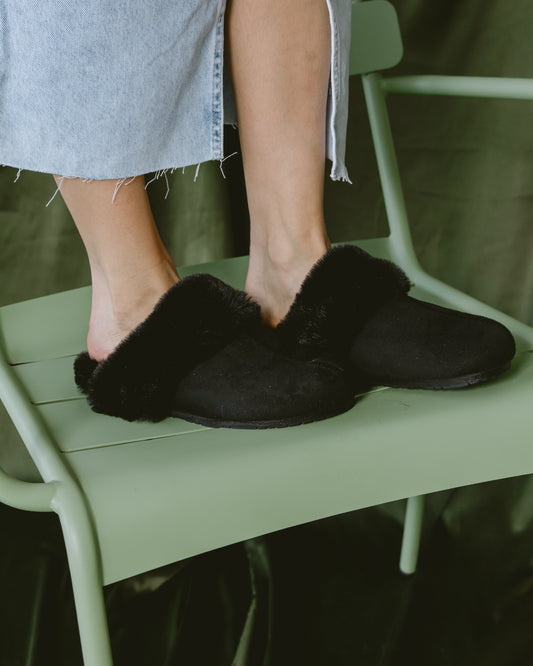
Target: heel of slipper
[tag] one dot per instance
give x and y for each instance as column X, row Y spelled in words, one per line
column 84, row 366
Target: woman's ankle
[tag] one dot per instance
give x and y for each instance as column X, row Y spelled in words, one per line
column 278, row 269
column 119, row 306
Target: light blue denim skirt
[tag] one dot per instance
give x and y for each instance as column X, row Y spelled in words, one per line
column 117, row 88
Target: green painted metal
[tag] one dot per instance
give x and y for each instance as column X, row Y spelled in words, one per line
column 49, row 380
column 414, row 515
column 25, row 495
column 217, row 487
column 85, row 566
column 460, row 86
column 32, row 429
column 232, row 271
column 401, row 248
column 57, row 337
column 401, row 244
column 376, row 42
column 65, row 497
column 76, row 429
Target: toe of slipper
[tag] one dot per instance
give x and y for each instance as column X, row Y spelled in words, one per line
column 410, row 343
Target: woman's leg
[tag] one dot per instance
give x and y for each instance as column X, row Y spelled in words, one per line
column 279, row 54
column 130, row 267
column 280, row 60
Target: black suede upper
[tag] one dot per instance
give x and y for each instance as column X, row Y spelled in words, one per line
column 411, row 343
column 202, row 355
column 355, row 307
column 191, row 322
column 248, row 383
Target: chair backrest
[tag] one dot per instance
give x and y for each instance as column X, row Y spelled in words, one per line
column 376, row 39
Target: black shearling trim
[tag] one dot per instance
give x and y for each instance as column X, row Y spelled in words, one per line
column 84, row 367
column 340, row 293
column 191, row 322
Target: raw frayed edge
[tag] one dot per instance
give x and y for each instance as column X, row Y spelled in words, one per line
column 222, row 162
column 342, row 179
column 120, row 182
column 340, row 173
column 126, row 181
column 118, row 185
column 197, row 172
column 84, row 180
column 157, row 176
column 18, row 172
column 163, row 173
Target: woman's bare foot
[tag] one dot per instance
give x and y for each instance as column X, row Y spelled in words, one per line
column 275, row 275
column 130, row 267
column 119, row 308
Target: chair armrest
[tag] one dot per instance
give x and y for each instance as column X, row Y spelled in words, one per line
column 460, row 86
column 25, row 495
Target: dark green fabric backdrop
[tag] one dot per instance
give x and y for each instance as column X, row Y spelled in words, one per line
column 327, row 593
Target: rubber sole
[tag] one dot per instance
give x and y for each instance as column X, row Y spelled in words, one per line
column 464, row 381
column 263, row 424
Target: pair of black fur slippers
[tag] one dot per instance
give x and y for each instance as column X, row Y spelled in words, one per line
column 203, row 355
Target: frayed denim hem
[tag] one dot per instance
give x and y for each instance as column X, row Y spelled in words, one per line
column 79, row 103
column 156, row 175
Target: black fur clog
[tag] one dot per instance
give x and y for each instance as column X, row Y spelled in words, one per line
column 357, row 306
column 198, row 356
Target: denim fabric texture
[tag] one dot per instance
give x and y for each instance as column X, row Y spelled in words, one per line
column 117, row 88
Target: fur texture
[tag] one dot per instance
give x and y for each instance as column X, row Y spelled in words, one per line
column 338, row 296
column 192, row 321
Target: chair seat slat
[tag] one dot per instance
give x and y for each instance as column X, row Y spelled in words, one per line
column 220, row 486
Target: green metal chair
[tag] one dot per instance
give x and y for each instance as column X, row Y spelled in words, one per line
column 134, row 496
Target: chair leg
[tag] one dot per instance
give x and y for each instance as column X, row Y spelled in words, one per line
column 85, row 572
column 92, row 620
column 412, row 528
